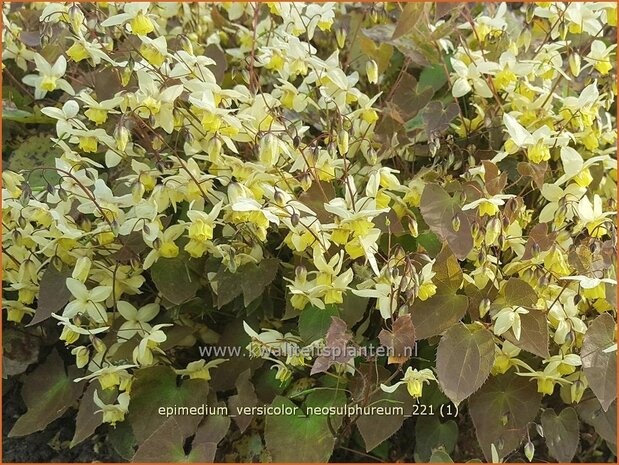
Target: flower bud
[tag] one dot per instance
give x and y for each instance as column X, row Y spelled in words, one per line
column 529, row 450
column 301, row 273
column 342, row 142
column 455, row 223
column 294, row 219
column 340, row 37
column 493, row 230
column 574, row 62
column 77, row 17
column 121, row 136
column 577, row 389
column 371, row 69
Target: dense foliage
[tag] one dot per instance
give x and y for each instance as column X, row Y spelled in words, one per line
column 297, row 180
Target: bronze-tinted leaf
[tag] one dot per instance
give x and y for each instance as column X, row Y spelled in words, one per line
column 604, row 422
column 533, row 335
column 535, row 171
column 53, row 293
column 539, row 235
column 20, row 349
column 464, row 360
column 495, row 181
column 166, row 444
column 448, row 277
column 501, row 411
column 433, row 316
column 600, row 367
column 377, row 428
column 336, row 341
column 401, row 338
column 409, row 17
column 561, row 433
column 519, row 293
column 438, row 210
column 245, row 397
column 89, row 415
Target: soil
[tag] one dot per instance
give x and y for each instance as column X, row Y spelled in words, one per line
column 50, row 445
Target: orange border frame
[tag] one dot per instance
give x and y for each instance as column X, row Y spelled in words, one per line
column 264, row 1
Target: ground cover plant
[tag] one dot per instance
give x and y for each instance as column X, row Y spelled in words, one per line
column 310, row 231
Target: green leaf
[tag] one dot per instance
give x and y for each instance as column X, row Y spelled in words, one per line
column 53, row 293
column 501, row 411
column 440, row 456
column 47, row 392
column 601, row 367
column 561, row 433
column 156, row 387
column 314, row 322
column 166, row 444
column 534, row 334
column 464, row 359
column 175, row 278
column 448, row 277
column 430, row 242
column 431, row 434
column 441, row 311
column 36, row 152
column 294, row 438
column 433, row 77
column 438, row 210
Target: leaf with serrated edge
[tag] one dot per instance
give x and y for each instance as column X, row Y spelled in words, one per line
column 166, row 445
column 501, row 411
column 561, row 433
column 464, row 360
column 48, row 392
column 433, row 316
column 601, row 367
column 401, row 339
column 448, row 274
column 438, row 210
column 534, row 334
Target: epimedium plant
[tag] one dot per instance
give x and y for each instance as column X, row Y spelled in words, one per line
column 298, row 180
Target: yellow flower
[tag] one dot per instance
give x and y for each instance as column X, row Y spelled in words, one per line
column 200, row 230
column 96, row 115
column 426, row 291
column 414, row 380
column 88, row 144
column 168, row 250
column 538, row 152
column 488, row 208
column 77, row 52
column 141, row 24
column 200, row 369
column 584, row 178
